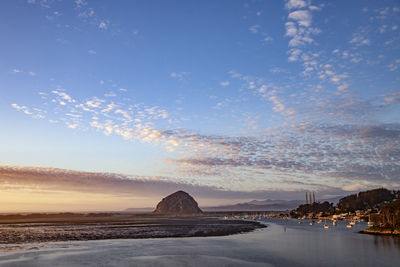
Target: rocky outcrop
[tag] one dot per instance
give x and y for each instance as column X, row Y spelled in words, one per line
column 178, row 203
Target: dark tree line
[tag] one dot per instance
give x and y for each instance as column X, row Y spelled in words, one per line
column 325, row 207
column 371, row 199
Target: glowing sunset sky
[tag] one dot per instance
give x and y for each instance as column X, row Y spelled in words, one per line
column 117, row 103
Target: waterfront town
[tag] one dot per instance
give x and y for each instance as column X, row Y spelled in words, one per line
column 380, row 208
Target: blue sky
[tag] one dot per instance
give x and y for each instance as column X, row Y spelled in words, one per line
column 236, row 95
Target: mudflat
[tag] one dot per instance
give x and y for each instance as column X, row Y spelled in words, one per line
column 116, row 226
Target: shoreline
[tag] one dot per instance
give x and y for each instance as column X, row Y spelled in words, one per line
column 381, row 232
column 39, row 231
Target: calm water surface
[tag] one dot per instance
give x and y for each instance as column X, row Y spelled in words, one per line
column 283, row 243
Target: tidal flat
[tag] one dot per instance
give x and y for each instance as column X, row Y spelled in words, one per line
column 116, row 226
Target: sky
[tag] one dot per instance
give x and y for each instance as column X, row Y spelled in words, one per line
column 119, row 103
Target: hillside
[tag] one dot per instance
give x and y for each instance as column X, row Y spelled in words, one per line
column 366, row 200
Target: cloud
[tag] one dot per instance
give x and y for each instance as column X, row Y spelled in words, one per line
column 63, row 96
column 343, row 86
column 80, row 3
column 42, row 3
column 393, row 66
column 255, row 28
column 52, row 179
column 277, row 70
column 302, row 17
column 179, row 75
column 355, row 187
column 87, row 13
column 392, row 98
column 24, row 109
column 299, row 29
column 291, row 29
column 71, row 126
column 95, row 102
column 326, row 151
column 268, row 39
column 16, row 70
column 294, row 55
column 291, row 4
column 103, row 25
column 325, row 141
column 359, row 40
column 92, row 52
column 224, row 83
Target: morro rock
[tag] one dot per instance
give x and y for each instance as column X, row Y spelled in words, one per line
column 178, row 203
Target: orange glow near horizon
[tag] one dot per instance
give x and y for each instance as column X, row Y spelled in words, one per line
column 43, row 200
column 31, row 200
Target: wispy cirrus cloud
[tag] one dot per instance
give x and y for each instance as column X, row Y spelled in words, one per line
column 83, row 9
column 179, row 75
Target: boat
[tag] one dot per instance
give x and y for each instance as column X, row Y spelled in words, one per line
column 311, row 223
column 326, row 226
column 319, row 221
column 299, row 222
column 370, row 223
column 334, row 222
column 349, row 225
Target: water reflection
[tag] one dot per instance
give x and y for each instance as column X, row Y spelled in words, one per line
column 386, row 241
column 282, row 243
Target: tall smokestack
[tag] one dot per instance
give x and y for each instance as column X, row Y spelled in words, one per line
column 313, row 194
column 306, row 198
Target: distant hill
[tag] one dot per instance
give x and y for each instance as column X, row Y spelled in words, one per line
column 265, row 205
column 256, row 205
column 267, row 202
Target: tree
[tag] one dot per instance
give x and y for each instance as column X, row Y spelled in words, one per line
column 390, row 214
